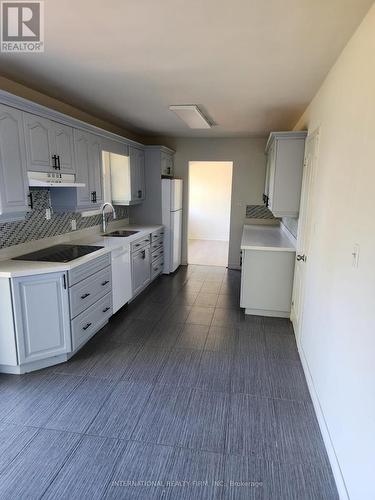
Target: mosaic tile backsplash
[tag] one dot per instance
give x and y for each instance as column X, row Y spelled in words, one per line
column 35, row 226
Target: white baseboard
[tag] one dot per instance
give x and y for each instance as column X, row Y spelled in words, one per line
column 336, row 470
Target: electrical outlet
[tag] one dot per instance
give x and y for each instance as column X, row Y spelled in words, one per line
column 355, row 256
column 73, row 223
column 48, row 213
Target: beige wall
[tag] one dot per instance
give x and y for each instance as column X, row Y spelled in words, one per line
column 247, row 155
column 338, row 335
column 57, row 105
column 210, row 192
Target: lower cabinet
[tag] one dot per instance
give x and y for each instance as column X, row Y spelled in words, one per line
column 140, row 264
column 41, row 313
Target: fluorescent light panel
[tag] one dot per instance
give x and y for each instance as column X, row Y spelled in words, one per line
column 191, row 115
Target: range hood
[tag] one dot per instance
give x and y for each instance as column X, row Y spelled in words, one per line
column 52, row 179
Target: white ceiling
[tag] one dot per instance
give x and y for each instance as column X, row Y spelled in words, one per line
column 251, row 65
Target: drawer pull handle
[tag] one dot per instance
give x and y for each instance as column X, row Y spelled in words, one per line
column 106, row 309
column 87, row 326
column 85, row 295
column 105, row 282
column 138, row 245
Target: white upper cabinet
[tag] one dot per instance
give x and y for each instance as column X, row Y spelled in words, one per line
column 282, row 192
column 13, row 176
column 49, row 145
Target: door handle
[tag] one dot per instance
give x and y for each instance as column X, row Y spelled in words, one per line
column 106, row 309
column 105, row 282
column 302, row 258
column 87, row 326
column 139, row 194
column 58, row 162
column 143, row 254
column 54, row 162
column 85, row 296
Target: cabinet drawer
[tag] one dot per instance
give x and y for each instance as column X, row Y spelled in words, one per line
column 79, row 273
column 158, row 234
column 138, row 244
column 86, row 292
column 157, row 267
column 90, row 321
column 156, row 245
column 157, row 254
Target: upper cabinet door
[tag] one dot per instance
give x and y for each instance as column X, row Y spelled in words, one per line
column 63, row 147
column 39, row 144
column 82, row 160
column 137, row 174
column 96, row 169
column 13, row 176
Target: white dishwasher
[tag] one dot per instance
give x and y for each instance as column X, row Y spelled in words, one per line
column 121, row 277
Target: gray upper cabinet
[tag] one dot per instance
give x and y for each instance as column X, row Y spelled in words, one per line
column 63, row 146
column 13, row 176
column 137, row 174
column 166, row 164
column 38, row 135
column 285, row 152
column 88, row 161
column 49, row 145
column 41, row 314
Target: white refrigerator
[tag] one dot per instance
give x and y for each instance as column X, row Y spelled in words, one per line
column 171, row 193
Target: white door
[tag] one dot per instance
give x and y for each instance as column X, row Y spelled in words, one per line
column 176, row 235
column 176, row 194
column 304, row 230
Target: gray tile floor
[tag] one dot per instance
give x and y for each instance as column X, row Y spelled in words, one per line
column 180, row 396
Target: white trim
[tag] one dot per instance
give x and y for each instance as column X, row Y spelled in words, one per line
column 336, row 470
column 37, row 109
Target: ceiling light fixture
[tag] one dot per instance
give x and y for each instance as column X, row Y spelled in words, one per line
column 191, row 115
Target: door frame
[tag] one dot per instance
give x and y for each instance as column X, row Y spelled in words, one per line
column 187, row 217
column 303, row 227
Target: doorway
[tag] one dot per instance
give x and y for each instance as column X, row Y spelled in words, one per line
column 210, row 193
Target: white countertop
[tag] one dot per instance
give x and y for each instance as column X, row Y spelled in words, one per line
column 255, row 237
column 16, row 268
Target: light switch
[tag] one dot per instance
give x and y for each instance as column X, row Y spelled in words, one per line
column 355, row 256
column 48, row 213
column 73, row 223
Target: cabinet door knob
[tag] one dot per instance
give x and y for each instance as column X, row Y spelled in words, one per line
column 302, row 258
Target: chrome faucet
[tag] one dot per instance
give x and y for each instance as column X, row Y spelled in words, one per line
column 104, row 222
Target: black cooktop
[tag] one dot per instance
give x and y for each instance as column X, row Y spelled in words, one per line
column 59, row 253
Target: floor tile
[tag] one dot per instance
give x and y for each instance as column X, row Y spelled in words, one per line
column 13, row 438
column 247, row 478
column 231, row 301
column 181, row 368
column 281, row 346
column 287, row 380
column 119, row 415
column 206, row 299
column 188, row 418
column 88, row 471
column 141, row 473
column 135, row 331
column 192, row 337
column 251, row 427
column 193, row 285
column 215, row 371
column 297, row 433
column 211, row 287
column 81, row 406
column 225, row 317
column 195, row 475
column 33, row 470
column 113, row 360
column 201, row 315
column 221, row 338
column 177, row 314
column 164, row 335
column 278, row 326
column 250, row 375
column 146, row 365
column 39, row 403
column 186, row 297
column 251, row 342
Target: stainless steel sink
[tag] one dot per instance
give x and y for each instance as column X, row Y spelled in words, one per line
column 120, row 234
